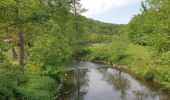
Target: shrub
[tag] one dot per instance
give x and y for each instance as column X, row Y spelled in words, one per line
column 31, row 94
column 55, row 73
column 42, row 83
column 50, row 50
column 14, row 74
column 82, row 53
column 37, row 88
column 6, row 88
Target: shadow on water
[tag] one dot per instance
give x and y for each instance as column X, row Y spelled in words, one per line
column 97, row 82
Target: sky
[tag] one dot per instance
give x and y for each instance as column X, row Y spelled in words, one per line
column 111, row 11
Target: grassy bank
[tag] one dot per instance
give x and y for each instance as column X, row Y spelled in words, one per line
column 141, row 59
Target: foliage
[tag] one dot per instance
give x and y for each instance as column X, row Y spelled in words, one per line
column 96, row 27
column 55, row 73
column 51, row 49
column 141, row 59
column 38, row 88
column 3, row 47
column 31, row 94
column 6, row 88
column 149, row 74
column 165, row 58
column 107, row 52
column 42, row 83
column 162, row 74
column 53, row 35
column 151, row 27
column 99, row 38
column 48, row 29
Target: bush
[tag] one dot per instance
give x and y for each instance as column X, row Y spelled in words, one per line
column 22, row 87
column 14, row 74
column 31, row 94
column 55, row 73
column 82, row 53
column 6, row 88
column 42, row 83
column 50, row 50
column 37, row 88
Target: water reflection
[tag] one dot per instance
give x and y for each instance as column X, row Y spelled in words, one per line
column 106, row 84
column 118, row 82
column 70, row 90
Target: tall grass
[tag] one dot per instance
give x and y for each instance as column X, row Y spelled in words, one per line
column 143, row 59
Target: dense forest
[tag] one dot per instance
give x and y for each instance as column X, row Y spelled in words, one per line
column 38, row 38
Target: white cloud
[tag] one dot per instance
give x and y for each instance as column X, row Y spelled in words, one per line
column 97, row 7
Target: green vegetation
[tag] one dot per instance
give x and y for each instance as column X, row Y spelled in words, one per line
column 151, row 27
column 38, row 38
column 146, row 48
column 141, row 59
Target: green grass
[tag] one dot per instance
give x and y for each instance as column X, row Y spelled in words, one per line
column 141, row 51
column 142, row 59
column 106, row 52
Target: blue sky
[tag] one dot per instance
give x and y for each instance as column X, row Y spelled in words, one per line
column 112, row 11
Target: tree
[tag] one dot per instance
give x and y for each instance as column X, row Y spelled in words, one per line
column 18, row 14
column 151, row 27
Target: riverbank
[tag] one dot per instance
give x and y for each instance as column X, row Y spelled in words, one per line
column 138, row 60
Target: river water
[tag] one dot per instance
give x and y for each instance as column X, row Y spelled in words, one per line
column 100, row 82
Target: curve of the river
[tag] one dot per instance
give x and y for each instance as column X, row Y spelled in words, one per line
column 100, row 82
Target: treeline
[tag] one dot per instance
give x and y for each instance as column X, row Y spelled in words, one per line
column 96, row 27
column 98, row 32
column 151, row 26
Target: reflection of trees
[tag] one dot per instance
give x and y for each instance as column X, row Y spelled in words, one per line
column 140, row 94
column 164, row 97
column 118, row 82
column 143, row 94
column 70, row 90
column 83, row 83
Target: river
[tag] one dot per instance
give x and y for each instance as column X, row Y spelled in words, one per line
column 101, row 82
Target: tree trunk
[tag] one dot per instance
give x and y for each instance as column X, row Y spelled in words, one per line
column 21, row 50
column 14, row 54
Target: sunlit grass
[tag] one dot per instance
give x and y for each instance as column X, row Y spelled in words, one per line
column 139, row 58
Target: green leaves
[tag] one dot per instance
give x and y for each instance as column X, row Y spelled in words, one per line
column 152, row 27
column 51, row 49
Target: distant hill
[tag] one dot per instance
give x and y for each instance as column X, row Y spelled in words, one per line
column 97, row 27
